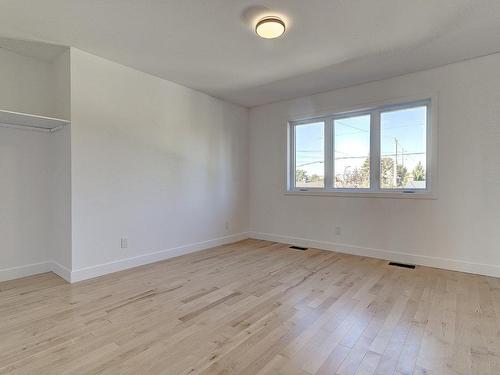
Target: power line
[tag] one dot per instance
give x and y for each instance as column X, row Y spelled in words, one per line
column 351, row 126
column 312, row 162
column 382, row 155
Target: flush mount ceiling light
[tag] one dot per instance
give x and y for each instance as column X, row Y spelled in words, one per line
column 270, row 27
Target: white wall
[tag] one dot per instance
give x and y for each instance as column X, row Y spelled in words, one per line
column 26, row 84
column 61, row 85
column 24, row 208
column 60, row 154
column 146, row 159
column 459, row 230
column 160, row 164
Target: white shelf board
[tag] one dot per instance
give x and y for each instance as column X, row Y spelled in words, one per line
column 31, row 121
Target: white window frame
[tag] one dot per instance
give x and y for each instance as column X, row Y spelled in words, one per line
column 375, row 190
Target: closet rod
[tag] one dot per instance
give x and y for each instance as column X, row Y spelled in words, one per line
column 35, row 122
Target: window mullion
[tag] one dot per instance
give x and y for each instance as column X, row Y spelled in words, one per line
column 329, row 164
column 291, row 163
column 429, row 150
column 375, row 151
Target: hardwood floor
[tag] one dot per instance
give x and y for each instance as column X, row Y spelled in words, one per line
column 254, row 307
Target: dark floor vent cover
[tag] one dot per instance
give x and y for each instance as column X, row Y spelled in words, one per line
column 412, row 266
column 298, row 248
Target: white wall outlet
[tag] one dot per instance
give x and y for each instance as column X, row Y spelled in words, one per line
column 124, row 243
column 338, row 231
column 227, row 225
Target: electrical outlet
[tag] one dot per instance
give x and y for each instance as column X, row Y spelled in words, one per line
column 227, row 225
column 338, row 231
column 124, row 243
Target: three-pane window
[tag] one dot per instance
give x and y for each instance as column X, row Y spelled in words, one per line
column 383, row 149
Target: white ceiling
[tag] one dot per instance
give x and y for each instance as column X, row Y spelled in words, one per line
column 210, row 45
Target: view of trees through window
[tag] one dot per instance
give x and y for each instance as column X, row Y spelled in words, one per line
column 403, row 146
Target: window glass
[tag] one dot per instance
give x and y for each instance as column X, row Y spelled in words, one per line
column 403, row 148
column 352, row 152
column 310, row 155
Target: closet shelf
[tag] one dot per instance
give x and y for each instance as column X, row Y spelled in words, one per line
column 31, row 121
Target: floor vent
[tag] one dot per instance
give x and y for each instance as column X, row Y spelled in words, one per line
column 298, row 248
column 396, row 264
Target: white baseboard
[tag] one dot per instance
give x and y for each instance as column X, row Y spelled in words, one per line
column 123, row 264
column 422, row 260
column 61, row 271
column 24, row 271
column 119, row 265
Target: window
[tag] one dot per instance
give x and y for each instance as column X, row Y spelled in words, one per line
column 382, row 150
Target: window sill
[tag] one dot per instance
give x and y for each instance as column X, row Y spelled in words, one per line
column 364, row 194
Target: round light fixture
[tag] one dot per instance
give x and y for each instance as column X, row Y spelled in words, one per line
column 270, row 27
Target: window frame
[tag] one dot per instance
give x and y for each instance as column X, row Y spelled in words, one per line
column 375, row 189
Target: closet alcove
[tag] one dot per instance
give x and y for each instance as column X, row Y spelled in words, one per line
column 34, row 157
